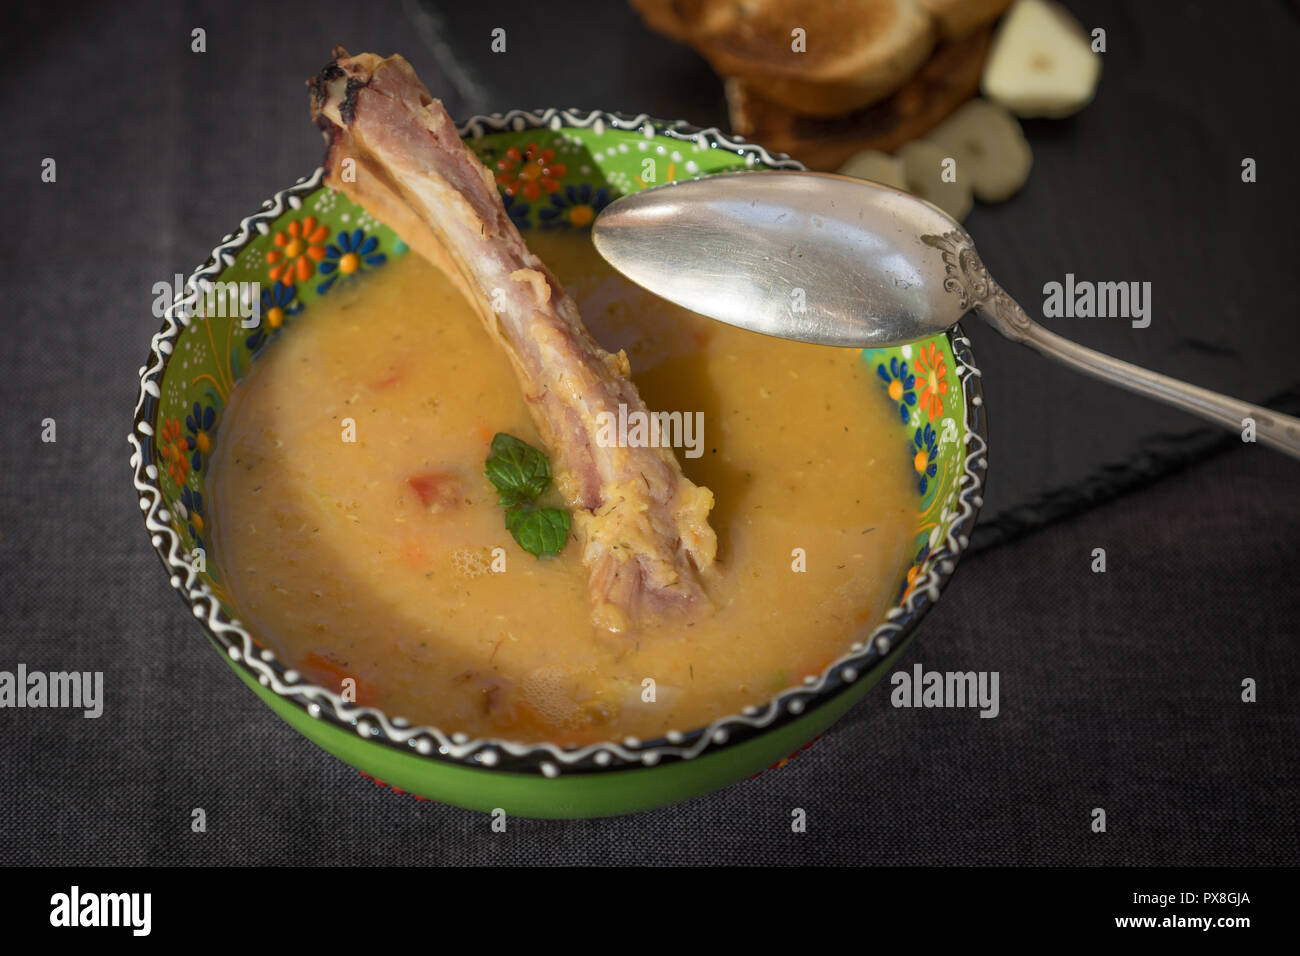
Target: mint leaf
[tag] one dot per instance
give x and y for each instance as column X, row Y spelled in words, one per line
column 519, row 471
column 539, row 531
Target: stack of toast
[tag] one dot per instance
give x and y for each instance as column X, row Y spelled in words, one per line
column 824, row 80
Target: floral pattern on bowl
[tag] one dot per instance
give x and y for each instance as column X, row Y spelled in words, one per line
column 556, row 170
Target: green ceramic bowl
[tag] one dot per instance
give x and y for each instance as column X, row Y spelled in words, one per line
column 316, row 239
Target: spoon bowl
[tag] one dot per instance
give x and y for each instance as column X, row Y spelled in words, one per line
column 837, row 261
column 808, row 256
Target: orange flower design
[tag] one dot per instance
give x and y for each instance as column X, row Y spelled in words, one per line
column 912, row 574
column 930, row 373
column 172, row 448
column 301, row 242
column 529, row 171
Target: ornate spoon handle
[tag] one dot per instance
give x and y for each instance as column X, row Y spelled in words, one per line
column 1272, row 428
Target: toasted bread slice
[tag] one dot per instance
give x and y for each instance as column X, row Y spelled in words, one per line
column 949, row 78
column 818, row 56
column 956, row 18
column 684, row 20
column 849, row 54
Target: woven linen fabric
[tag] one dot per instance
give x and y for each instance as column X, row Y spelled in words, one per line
column 1119, row 690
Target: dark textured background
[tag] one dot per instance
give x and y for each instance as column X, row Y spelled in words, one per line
column 1118, row 690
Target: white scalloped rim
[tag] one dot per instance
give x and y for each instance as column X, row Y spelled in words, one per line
column 548, row 759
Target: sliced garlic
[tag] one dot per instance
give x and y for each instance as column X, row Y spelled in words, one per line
column 876, row 166
column 991, row 150
column 1041, row 62
column 926, row 168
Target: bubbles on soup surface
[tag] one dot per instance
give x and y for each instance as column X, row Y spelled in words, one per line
column 549, row 692
column 471, row 563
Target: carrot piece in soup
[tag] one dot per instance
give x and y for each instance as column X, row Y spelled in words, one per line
column 436, row 490
column 330, row 673
column 414, row 556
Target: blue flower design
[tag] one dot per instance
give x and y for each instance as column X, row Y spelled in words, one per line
column 199, row 423
column 350, row 253
column 900, row 383
column 278, row 303
column 193, row 502
column 575, row 206
column 922, row 554
column 925, row 448
column 517, row 210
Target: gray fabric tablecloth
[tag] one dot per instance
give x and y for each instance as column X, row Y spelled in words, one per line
column 1119, row 690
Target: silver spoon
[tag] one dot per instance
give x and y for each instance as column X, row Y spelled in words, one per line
column 831, row 260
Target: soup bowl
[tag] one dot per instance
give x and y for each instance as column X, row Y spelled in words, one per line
column 590, row 158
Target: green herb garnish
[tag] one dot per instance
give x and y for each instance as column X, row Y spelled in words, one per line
column 539, row 531
column 521, row 473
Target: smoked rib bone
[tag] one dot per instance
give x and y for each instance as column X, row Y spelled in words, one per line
column 642, row 525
